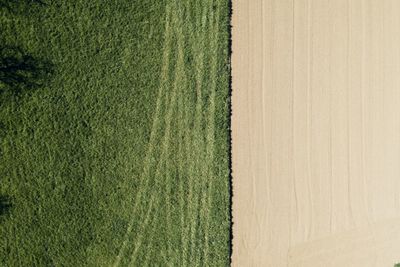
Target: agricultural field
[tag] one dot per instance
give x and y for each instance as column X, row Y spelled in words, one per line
column 114, row 139
column 316, row 133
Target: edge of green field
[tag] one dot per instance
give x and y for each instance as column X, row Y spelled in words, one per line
column 230, row 88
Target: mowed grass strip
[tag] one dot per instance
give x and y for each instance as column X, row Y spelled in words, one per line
column 121, row 158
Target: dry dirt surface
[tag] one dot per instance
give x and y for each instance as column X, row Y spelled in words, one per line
column 316, row 133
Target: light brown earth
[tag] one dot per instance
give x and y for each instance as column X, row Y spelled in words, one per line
column 316, row 133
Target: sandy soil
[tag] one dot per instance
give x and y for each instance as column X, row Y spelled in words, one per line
column 316, row 133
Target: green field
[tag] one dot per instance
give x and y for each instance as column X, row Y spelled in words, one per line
column 119, row 156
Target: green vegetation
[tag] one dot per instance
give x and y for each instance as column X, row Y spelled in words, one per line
column 118, row 154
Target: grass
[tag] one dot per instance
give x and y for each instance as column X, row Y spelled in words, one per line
column 121, row 157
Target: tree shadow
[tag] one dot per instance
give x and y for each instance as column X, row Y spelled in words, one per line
column 5, row 205
column 14, row 5
column 21, row 72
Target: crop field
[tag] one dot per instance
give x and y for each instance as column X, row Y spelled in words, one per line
column 316, row 133
column 114, row 139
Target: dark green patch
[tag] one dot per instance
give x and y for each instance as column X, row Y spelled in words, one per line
column 76, row 121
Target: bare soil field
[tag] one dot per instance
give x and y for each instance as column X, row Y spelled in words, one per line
column 316, row 133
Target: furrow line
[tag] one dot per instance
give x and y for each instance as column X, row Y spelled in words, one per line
column 147, row 161
column 178, row 77
column 196, row 144
column 210, row 135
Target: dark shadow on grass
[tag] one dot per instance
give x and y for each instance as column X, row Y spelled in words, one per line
column 5, row 206
column 15, row 5
column 21, row 72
